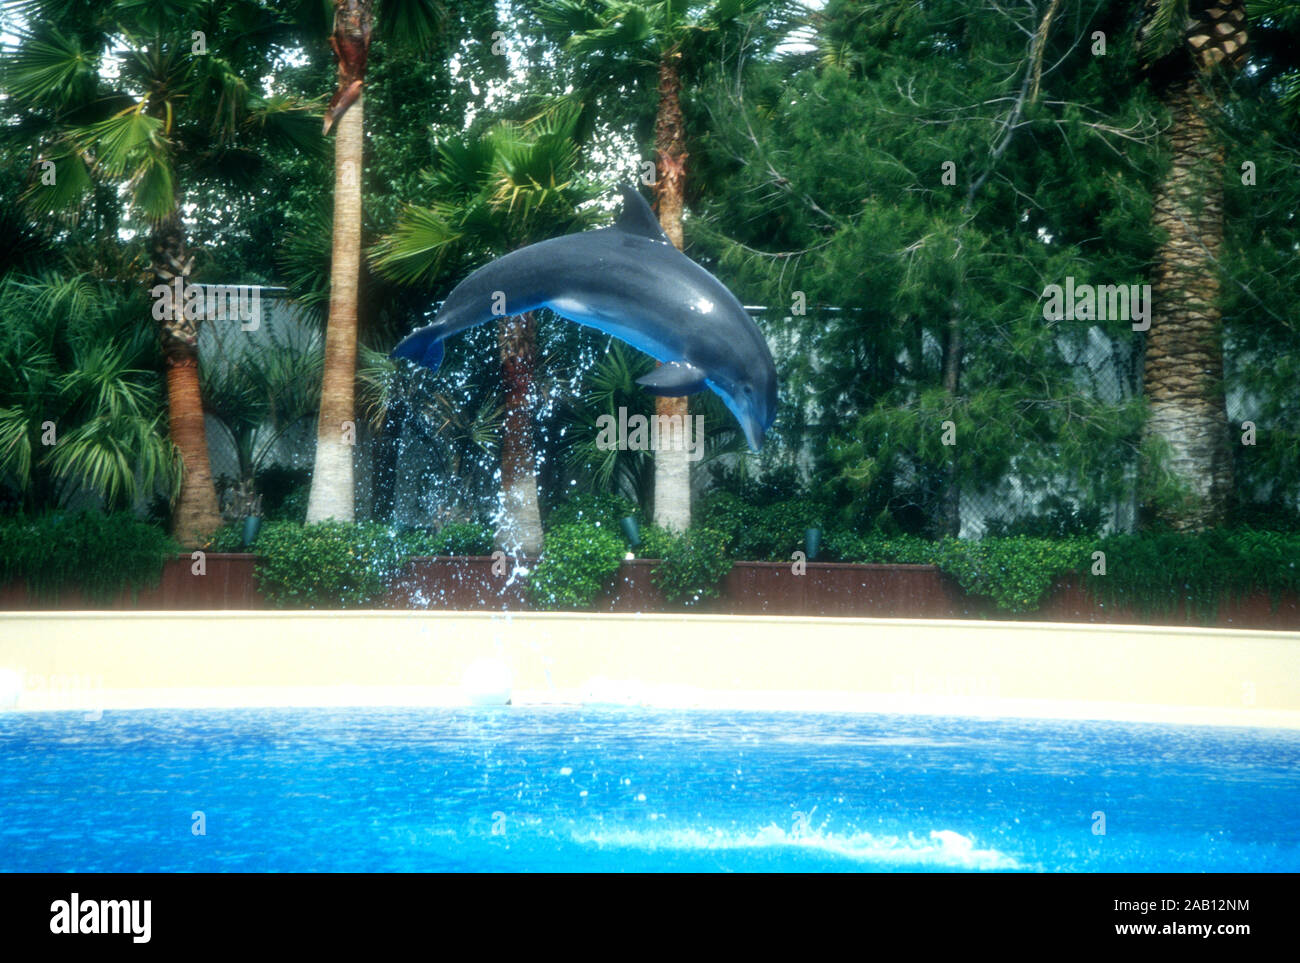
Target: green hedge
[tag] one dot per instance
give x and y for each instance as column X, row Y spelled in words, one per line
column 338, row 565
column 1014, row 573
column 692, row 565
column 228, row 538
column 327, row 565
column 102, row 555
column 881, row 549
column 762, row 533
column 454, row 538
column 1152, row 572
column 581, row 557
column 578, row 560
column 1156, row 572
column 596, row 508
column 333, row 565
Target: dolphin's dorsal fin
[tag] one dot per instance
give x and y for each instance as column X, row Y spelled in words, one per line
column 637, row 218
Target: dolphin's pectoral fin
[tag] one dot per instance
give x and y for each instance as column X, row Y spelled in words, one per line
column 423, row 347
column 674, row 379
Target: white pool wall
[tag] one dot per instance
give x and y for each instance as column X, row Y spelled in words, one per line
column 101, row 661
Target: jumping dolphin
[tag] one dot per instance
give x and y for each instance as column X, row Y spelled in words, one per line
column 629, row 281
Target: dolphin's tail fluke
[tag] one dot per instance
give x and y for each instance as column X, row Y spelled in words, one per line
column 423, row 347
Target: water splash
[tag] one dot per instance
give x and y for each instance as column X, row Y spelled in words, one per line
column 942, row 849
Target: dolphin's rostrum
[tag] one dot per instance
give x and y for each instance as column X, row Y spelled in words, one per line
column 629, row 281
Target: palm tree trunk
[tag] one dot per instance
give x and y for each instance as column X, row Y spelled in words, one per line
column 332, row 483
column 1184, row 349
column 1183, row 370
column 196, row 514
column 520, row 524
column 672, row 508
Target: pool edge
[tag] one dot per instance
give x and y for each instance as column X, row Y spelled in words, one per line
column 93, row 661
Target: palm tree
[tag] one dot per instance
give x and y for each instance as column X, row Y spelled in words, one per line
column 129, row 94
column 611, row 388
column 415, row 21
column 75, row 361
column 662, row 39
column 1190, row 50
column 257, row 396
column 512, row 186
column 332, row 493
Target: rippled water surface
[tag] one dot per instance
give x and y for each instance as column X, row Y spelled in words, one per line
column 636, row 789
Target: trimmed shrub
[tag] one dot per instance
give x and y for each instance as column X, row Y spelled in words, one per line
column 596, row 508
column 327, row 565
column 879, row 548
column 656, row 542
column 693, row 564
column 101, row 554
column 1014, row 572
column 1156, row 571
column 762, row 532
column 454, row 538
column 578, row 561
column 227, row 538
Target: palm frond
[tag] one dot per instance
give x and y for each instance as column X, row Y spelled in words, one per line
column 66, row 185
column 153, row 188
column 566, row 18
column 463, row 165
column 119, row 459
column 16, row 440
column 122, row 141
column 417, row 247
column 416, row 22
column 284, row 121
column 49, row 70
column 1166, row 23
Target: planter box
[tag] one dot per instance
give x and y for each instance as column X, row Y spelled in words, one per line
column 1069, row 601
column 467, row 583
column 750, row 588
column 227, row 584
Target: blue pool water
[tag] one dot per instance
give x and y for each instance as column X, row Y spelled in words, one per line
column 636, row 789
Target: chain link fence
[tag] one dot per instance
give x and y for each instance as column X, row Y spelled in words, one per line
column 1102, row 367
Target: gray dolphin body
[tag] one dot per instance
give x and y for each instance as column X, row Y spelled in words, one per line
column 629, row 281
